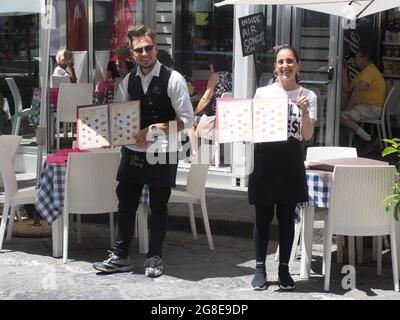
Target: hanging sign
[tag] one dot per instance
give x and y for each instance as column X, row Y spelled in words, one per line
column 252, row 33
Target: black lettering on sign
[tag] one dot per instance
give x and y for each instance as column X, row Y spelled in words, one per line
column 252, row 33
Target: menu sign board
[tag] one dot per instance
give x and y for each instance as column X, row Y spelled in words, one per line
column 252, row 33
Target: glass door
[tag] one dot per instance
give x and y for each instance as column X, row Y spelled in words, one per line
column 316, row 37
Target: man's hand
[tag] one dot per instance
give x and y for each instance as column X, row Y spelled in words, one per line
column 143, row 137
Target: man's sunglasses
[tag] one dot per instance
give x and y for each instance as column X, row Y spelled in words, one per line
column 146, row 48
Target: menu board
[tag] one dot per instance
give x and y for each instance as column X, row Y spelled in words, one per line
column 105, row 125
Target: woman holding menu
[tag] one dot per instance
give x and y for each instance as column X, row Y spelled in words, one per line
column 279, row 177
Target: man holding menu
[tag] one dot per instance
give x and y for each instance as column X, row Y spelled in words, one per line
column 165, row 110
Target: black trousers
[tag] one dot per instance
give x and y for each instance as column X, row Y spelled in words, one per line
column 128, row 196
column 264, row 216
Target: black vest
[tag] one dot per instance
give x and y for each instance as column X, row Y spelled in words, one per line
column 155, row 105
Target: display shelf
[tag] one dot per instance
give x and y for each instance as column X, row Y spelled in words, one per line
column 391, row 76
column 391, row 43
column 206, row 52
column 391, row 58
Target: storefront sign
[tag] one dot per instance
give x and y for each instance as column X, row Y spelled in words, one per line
column 252, row 33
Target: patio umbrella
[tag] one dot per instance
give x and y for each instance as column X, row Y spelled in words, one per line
column 12, row 8
column 344, row 8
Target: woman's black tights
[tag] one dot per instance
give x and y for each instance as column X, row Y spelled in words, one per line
column 264, row 216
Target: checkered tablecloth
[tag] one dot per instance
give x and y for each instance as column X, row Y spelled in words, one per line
column 319, row 185
column 50, row 199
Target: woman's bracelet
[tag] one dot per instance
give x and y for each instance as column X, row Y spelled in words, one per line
column 305, row 114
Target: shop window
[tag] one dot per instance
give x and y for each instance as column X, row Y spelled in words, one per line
column 202, row 31
column 19, row 51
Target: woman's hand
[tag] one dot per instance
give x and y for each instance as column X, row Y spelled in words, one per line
column 302, row 102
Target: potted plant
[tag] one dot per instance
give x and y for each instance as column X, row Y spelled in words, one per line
column 392, row 202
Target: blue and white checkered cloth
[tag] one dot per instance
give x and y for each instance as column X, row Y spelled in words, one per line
column 50, row 199
column 319, row 185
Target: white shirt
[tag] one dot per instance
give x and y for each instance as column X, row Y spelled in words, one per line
column 58, row 71
column 294, row 117
column 178, row 93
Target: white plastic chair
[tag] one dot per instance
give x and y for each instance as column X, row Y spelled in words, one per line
column 6, row 108
column 102, row 57
column 118, row 96
column 195, row 193
column 317, row 154
column 391, row 107
column 81, row 66
column 355, row 209
column 19, row 111
column 217, row 162
column 90, row 185
column 55, row 81
column 12, row 196
column 70, row 96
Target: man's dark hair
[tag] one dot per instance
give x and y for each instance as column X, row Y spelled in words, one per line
column 141, row 31
column 366, row 53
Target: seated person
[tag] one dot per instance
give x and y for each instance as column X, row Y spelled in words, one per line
column 366, row 95
column 65, row 65
column 117, row 68
column 219, row 82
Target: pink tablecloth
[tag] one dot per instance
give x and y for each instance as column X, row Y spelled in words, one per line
column 61, row 156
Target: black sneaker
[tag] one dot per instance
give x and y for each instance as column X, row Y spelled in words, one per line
column 114, row 264
column 154, row 267
column 259, row 281
column 285, row 280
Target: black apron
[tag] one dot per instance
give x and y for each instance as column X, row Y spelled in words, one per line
column 134, row 168
column 155, row 106
column 279, row 175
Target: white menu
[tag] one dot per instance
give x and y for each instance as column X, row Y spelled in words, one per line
column 234, row 120
column 108, row 125
column 252, row 120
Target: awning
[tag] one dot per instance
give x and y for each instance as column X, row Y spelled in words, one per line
column 344, row 8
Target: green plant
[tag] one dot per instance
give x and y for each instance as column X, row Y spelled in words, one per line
column 392, row 202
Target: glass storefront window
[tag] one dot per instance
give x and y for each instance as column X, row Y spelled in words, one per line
column 265, row 60
column 111, row 22
column 19, row 53
column 205, row 31
column 110, row 25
